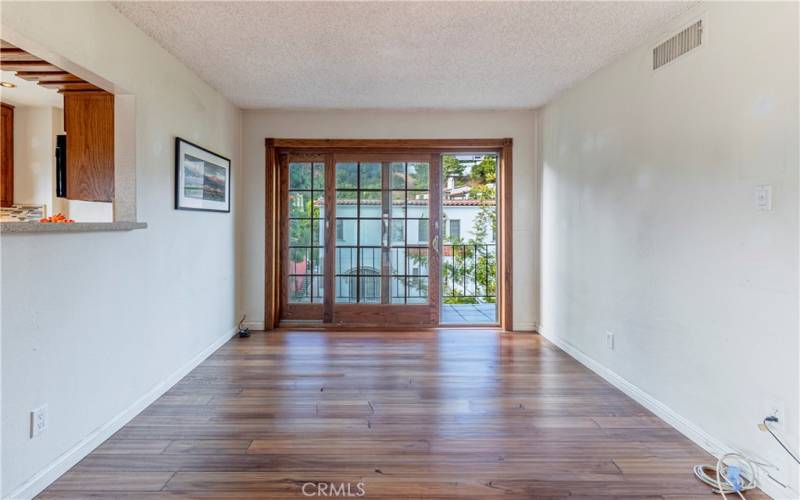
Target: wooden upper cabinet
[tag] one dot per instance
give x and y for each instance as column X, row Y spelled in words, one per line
column 7, row 156
column 89, row 124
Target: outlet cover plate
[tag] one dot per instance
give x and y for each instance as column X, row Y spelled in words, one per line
column 777, row 409
column 38, row 420
column 610, row 340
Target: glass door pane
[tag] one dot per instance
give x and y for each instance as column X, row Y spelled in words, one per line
column 306, row 232
column 409, row 234
column 360, row 232
column 358, row 244
column 382, row 223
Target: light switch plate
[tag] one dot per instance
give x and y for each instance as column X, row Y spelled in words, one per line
column 763, row 197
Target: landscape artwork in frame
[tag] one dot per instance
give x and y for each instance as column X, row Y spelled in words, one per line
column 202, row 178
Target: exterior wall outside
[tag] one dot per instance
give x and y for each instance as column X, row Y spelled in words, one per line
column 465, row 214
column 346, row 260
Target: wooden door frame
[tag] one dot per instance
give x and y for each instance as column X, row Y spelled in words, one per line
column 273, row 211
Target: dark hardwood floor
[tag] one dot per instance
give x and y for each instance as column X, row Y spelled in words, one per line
column 431, row 414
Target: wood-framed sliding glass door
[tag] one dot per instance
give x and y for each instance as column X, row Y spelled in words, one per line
column 353, row 230
column 357, row 245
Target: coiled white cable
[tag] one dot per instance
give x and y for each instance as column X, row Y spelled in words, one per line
column 720, row 481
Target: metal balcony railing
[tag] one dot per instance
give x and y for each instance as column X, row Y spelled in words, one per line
column 469, row 275
column 469, row 272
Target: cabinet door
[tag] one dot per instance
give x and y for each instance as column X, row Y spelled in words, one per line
column 7, row 157
column 89, row 123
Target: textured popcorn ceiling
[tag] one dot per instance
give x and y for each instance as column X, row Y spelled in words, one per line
column 443, row 55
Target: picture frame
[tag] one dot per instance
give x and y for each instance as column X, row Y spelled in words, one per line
column 202, row 178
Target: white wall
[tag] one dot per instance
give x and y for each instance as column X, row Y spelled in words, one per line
column 89, row 211
column 33, row 156
column 93, row 322
column 649, row 227
column 520, row 125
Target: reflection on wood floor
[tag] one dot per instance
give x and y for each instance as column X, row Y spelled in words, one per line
column 424, row 414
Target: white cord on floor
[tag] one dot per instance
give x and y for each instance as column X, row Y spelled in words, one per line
column 720, row 482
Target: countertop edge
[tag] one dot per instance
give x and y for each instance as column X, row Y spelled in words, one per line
column 77, row 227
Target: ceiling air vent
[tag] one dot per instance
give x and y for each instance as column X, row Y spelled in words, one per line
column 678, row 45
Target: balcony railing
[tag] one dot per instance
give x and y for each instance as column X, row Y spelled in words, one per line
column 469, row 276
column 469, row 273
column 407, row 274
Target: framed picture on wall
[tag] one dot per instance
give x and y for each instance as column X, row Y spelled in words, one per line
column 202, row 178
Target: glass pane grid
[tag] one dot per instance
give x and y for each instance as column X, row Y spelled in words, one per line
column 361, row 269
column 358, row 267
column 358, row 218
column 306, row 232
column 408, row 223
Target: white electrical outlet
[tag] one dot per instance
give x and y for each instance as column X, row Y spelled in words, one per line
column 38, row 421
column 610, row 340
column 776, row 409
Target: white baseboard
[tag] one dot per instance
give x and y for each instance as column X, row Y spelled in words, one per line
column 254, row 325
column 700, row 437
column 63, row 463
column 518, row 327
column 525, row 327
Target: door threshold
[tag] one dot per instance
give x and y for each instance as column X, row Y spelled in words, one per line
column 300, row 322
column 469, row 325
column 320, row 326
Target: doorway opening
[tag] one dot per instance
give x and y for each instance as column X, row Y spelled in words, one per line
column 469, row 240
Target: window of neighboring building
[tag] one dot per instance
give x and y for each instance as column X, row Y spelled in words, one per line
column 340, row 230
column 422, row 231
column 455, row 229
